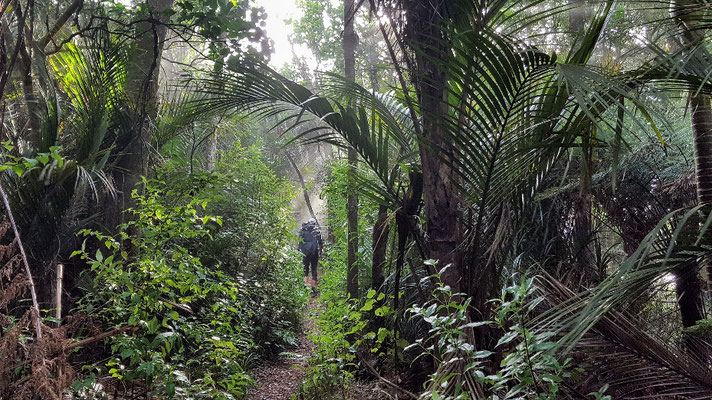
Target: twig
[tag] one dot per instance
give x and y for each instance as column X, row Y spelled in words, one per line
column 76, row 5
column 375, row 373
column 33, row 293
column 178, row 306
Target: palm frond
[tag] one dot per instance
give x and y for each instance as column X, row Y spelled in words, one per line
column 633, row 363
column 361, row 119
column 680, row 239
column 92, row 79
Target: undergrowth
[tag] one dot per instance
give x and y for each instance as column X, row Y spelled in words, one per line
column 209, row 296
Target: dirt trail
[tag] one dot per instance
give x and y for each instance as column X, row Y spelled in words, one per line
column 281, row 379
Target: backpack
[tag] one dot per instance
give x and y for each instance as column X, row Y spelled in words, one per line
column 310, row 237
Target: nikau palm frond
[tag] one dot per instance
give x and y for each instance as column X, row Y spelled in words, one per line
column 682, row 237
column 634, row 364
column 355, row 116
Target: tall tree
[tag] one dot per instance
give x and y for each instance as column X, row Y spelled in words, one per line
column 424, row 26
column 350, row 41
column 142, row 92
column 689, row 15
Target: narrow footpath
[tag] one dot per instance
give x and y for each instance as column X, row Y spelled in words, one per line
column 280, row 379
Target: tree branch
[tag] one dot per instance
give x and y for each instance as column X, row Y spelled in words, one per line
column 304, row 187
column 375, row 374
column 100, row 336
column 74, row 7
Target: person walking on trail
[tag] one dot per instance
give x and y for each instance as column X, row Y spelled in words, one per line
column 310, row 244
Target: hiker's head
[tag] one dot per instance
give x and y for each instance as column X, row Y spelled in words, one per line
column 311, row 221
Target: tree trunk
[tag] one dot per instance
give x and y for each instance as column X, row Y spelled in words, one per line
column 578, row 15
column 24, row 67
column 381, row 227
column 380, row 241
column 142, row 91
column 689, row 15
column 424, row 20
column 584, row 274
column 349, row 44
column 304, row 186
column 702, row 131
column 213, row 152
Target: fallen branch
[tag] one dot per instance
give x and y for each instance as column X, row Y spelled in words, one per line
column 100, row 336
column 33, row 293
column 81, row 343
column 375, row 374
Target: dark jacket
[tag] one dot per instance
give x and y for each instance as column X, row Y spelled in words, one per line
column 310, row 239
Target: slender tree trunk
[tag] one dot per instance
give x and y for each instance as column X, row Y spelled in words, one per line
column 213, row 152
column 408, row 211
column 349, row 44
column 142, row 90
column 381, row 227
column 380, row 242
column 689, row 15
column 440, row 194
column 24, row 67
column 304, row 187
column 582, row 255
column 578, row 15
column 584, row 273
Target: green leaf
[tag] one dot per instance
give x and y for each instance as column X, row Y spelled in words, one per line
column 510, row 336
column 18, row 169
column 60, row 160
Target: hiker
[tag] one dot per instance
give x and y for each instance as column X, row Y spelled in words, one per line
column 310, row 244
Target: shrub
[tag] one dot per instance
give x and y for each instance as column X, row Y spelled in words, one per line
column 200, row 324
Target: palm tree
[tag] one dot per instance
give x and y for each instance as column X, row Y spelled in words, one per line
column 689, row 17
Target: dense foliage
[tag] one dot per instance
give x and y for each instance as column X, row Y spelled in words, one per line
column 203, row 318
column 516, row 197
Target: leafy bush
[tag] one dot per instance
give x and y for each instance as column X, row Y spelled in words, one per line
column 527, row 369
column 200, row 324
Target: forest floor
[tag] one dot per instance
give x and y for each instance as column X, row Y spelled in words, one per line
column 280, row 379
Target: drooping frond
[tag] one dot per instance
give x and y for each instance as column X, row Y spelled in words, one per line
column 357, row 117
column 680, row 239
column 93, row 80
column 635, row 364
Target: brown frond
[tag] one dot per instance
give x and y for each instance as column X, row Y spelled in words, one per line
column 635, row 364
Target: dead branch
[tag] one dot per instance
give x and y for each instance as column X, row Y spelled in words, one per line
column 100, row 336
column 304, row 186
column 58, row 294
column 33, row 293
column 76, row 5
column 180, row 307
column 375, row 374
